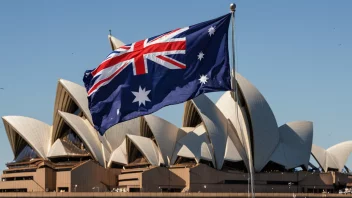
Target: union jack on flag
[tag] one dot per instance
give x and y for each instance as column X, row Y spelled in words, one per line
column 145, row 76
column 136, row 55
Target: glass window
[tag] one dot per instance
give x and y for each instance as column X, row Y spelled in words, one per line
column 71, row 137
column 26, row 154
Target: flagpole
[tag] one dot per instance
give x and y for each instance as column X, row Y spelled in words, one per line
column 234, row 94
column 233, row 70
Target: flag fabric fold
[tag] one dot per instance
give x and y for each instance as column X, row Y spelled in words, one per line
column 140, row 78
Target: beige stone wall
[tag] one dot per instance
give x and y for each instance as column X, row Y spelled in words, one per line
column 91, row 174
column 30, row 185
column 316, row 181
column 130, row 179
column 203, row 174
column 85, row 176
column 50, row 179
column 39, row 182
column 184, row 174
column 276, row 176
column 24, row 174
column 341, row 178
column 130, row 176
column 161, row 177
column 39, row 177
column 63, row 179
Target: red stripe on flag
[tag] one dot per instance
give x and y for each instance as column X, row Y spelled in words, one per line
column 158, row 47
column 167, row 59
column 96, row 86
column 164, row 35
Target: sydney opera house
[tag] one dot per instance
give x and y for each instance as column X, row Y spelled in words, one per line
column 213, row 151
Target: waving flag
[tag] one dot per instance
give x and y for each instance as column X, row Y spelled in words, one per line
column 145, row 76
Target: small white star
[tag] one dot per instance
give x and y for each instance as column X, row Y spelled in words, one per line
column 200, row 56
column 211, row 31
column 117, row 111
column 141, row 96
column 203, row 79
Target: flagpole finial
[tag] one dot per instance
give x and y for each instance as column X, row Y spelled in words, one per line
column 110, row 32
column 233, row 7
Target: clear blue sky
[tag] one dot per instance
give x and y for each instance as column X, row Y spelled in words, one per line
column 297, row 53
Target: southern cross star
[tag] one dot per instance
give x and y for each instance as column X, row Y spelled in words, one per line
column 203, row 79
column 141, row 96
column 200, row 56
column 211, row 31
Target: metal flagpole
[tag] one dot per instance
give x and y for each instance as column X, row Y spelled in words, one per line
column 233, row 70
column 234, row 94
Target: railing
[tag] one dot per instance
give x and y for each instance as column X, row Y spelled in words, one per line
column 21, row 184
column 162, row 194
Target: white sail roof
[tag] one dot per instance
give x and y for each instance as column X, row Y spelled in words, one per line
column 263, row 123
column 148, row 148
column 114, row 42
column 295, row 144
column 166, row 135
column 34, row 132
column 119, row 155
column 206, row 152
column 238, row 127
column 195, row 145
column 334, row 157
column 239, row 119
column 68, row 94
column 231, row 153
column 319, row 154
column 87, row 134
column 214, row 122
column 341, row 152
column 117, row 133
column 185, row 152
column 62, row 148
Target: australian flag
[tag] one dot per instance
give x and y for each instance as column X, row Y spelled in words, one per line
column 171, row 68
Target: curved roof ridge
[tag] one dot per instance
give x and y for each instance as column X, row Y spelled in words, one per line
column 87, row 134
column 341, row 152
column 263, row 123
column 148, row 148
column 119, row 155
column 319, row 154
column 192, row 145
column 36, row 133
column 231, row 153
column 227, row 105
column 295, row 144
column 79, row 94
column 240, row 148
column 166, row 135
column 114, row 42
column 215, row 124
column 238, row 126
column 67, row 94
column 184, row 151
column 62, row 148
column 332, row 158
column 117, row 133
